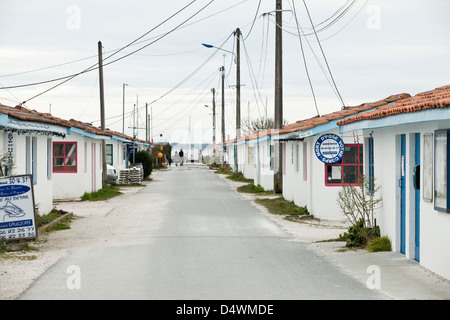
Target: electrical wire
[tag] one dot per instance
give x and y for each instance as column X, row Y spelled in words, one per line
column 181, row 82
column 254, row 19
column 321, row 49
column 256, row 89
column 304, row 58
column 134, row 41
column 93, row 67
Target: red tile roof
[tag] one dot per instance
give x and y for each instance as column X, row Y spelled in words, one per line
column 345, row 112
column 434, row 99
column 306, row 124
column 25, row 114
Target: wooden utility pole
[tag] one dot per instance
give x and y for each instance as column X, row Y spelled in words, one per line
column 102, row 112
column 214, row 115
column 223, row 111
column 238, row 97
column 278, row 169
column 146, row 121
column 238, row 84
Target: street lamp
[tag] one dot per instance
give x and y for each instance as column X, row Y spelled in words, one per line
column 210, row 46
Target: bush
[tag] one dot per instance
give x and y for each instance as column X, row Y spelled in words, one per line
column 379, row 244
column 251, row 188
column 146, row 159
column 358, row 235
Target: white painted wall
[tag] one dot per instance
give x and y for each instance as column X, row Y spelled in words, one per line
column 88, row 177
column 307, row 185
column 266, row 172
column 118, row 154
column 434, row 225
column 43, row 182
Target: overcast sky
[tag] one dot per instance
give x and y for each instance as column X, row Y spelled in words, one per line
column 373, row 48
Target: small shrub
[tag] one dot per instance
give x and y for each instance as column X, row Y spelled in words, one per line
column 146, row 159
column 238, row 176
column 358, row 235
column 251, row 188
column 223, row 170
column 379, row 244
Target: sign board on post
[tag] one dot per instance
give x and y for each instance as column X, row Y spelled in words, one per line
column 329, row 148
column 17, row 214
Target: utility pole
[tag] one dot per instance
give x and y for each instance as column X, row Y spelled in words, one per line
column 278, row 173
column 238, row 96
column 238, row 84
column 151, row 123
column 214, row 115
column 146, row 121
column 223, row 112
column 102, row 112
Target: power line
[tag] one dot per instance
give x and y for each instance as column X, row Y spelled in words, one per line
column 304, row 58
column 318, row 41
column 182, row 81
column 93, row 67
column 254, row 19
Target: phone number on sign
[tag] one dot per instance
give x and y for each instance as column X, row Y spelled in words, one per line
column 17, row 233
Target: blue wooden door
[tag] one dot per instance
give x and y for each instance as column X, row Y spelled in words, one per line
column 402, row 194
column 417, row 199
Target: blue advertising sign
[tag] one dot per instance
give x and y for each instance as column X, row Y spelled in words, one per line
column 329, row 148
column 17, row 215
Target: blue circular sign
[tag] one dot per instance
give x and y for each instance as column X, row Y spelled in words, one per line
column 329, row 148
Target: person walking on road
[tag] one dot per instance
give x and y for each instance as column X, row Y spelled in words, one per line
column 181, row 154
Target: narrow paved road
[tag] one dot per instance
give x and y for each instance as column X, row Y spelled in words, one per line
column 203, row 241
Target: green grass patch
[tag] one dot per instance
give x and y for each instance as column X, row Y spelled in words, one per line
column 223, row 170
column 379, row 244
column 61, row 225
column 42, row 220
column 251, row 188
column 281, row 206
column 238, row 176
column 105, row 193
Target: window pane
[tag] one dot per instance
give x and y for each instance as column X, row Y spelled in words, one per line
column 334, row 174
column 71, row 161
column 350, row 155
column 351, row 174
column 58, row 150
column 71, row 149
column 58, row 164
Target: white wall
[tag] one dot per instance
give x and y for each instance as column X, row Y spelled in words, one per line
column 88, row 177
column 43, row 182
column 434, row 225
column 119, row 162
column 307, row 185
column 265, row 176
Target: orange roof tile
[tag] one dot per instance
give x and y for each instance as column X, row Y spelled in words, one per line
column 306, row 124
column 433, row 99
column 25, row 114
